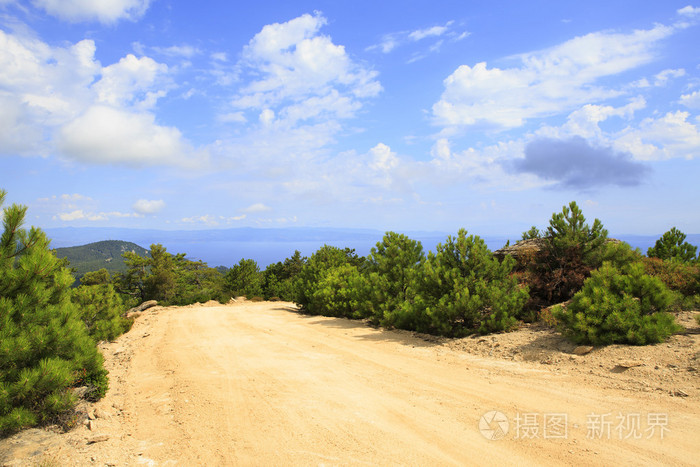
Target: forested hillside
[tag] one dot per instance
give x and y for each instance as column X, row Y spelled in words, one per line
column 95, row 256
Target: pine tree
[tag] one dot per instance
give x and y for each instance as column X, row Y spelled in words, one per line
column 44, row 347
column 572, row 249
column 245, row 279
column 619, row 306
column 672, row 246
column 464, row 289
column 392, row 270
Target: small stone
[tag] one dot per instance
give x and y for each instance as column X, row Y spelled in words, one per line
column 92, row 425
column 97, row 439
column 99, row 413
column 630, row 363
column 680, row 393
column 582, row 349
column 91, row 414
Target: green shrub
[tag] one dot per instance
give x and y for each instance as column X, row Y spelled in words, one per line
column 101, row 309
column 339, row 292
column 623, row 306
column 310, row 279
column 465, row 289
column 279, row 278
column 392, row 270
column 44, row 346
column 244, row 279
column 672, row 246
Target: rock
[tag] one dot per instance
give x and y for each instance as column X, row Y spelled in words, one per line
column 80, row 392
column 99, row 413
column 524, row 249
column 629, row 363
column 97, row 439
column 92, row 425
column 144, row 306
column 582, row 349
column 91, row 414
column 679, row 393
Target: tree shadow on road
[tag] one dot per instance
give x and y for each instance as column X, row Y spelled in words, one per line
column 374, row 333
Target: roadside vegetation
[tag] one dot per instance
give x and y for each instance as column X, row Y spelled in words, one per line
column 595, row 290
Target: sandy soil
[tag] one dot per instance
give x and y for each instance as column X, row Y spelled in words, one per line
column 257, row 383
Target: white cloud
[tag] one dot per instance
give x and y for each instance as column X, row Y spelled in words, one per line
column 145, row 206
column 186, row 51
column 75, row 197
column 104, row 11
column 429, row 32
column 585, row 122
column 106, row 135
column 692, row 100
column 382, row 158
column 394, row 40
column 661, row 79
column 71, row 216
column 257, row 207
column 670, row 136
column 689, row 11
column 206, row 219
column 80, row 214
column 300, row 73
column 62, row 98
column 132, row 82
column 547, row 82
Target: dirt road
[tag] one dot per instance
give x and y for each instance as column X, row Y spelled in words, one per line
column 256, row 383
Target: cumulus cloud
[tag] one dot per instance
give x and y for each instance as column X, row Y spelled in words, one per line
column 62, row 98
column 105, row 11
column 545, row 82
column 105, row 135
column 666, row 137
column 576, row 164
column 301, row 74
column 132, row 82
column 145, row 206
column 692, row 100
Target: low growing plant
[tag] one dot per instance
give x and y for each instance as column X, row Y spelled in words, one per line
column 619, row 306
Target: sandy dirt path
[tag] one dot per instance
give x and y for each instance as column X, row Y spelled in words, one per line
column 259, row 384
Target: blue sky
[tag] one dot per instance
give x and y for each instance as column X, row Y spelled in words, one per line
column 386, row 115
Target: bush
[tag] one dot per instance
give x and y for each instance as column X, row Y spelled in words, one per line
column 678, row 276
column 339, row 292
column 672, row 246
column 312, row 275
column 392, row 270
column 465, row 289
column 101, row 310
column 572, row 249
column 244, row 279
column 619, row 307
column 44, row 346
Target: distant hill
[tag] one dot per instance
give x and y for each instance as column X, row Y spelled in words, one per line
column 94, row 256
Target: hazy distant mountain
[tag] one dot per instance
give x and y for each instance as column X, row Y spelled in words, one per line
column 94, row 256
